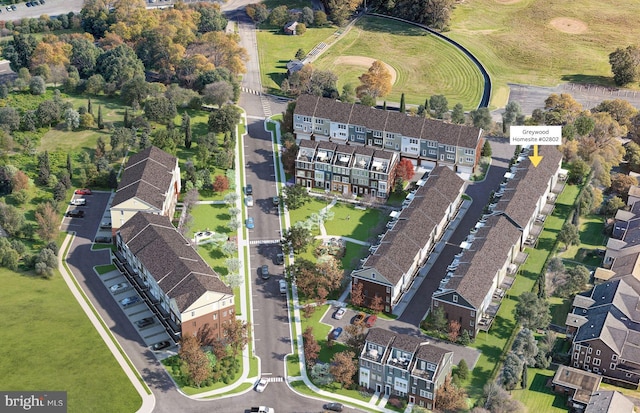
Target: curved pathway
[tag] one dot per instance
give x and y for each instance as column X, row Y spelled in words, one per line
column 486, row 91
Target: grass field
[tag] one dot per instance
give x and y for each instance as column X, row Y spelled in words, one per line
column 538, row 397
column 275, row 49
column 425, row 65
column 520, row 42
column 49, row 344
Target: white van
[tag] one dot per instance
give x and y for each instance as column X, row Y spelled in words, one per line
column 283, row 286
column 79, row 202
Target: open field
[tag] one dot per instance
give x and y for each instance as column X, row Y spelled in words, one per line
column 49, row 344
column 542, row 42
column 425, row 65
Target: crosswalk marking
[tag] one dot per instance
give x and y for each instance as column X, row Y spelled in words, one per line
column 253, row 92
column 275, row 379
column 264, row 241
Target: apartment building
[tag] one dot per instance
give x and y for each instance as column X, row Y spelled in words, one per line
column 394, row 261
column 404, row 366
column 426, row 142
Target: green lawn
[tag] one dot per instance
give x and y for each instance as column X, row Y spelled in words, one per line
column 212, row 217
column 435, row 67
column 538, row 397
column 517, row 42
column 275, row 49
column 493, row 344
column 49, row 344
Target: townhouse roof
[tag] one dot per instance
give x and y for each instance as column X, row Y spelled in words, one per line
column 399, row 246
column 634, row 190
column 529, row 180
column 614, row 317
column 147, row 176
column 177, row 268
column 490, row 249
column 388, row 121
column 609, row 401
column 623, row 265
column 380, row 336
column 583, row 382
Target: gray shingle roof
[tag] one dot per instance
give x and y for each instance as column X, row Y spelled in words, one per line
column 399, row 245
column 609, row 401
column 147, row 176
column 177, row 268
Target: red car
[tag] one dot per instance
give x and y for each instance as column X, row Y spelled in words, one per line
column 83, row 191
column 371, row 320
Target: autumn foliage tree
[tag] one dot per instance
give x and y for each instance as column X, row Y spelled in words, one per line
column 454, row 330
column 343, row 368
column 377, row 304
column 357, row 295
column 195, row 359
column 221, row 183
column 449, row 397
column 405, row 170
column 311, row 346
column 236, row 334
column 47, row 219
column 376, row 82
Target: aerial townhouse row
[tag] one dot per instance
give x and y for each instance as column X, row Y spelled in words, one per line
column 404, row 366
column 424, row 141
column 174, row 280
column 495, row 245
column 345, row 169
column 390, row 269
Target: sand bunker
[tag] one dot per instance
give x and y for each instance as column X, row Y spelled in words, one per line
column 568, row 25
column 366, row 63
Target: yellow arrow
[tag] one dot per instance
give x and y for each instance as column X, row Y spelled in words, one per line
column 535, row 159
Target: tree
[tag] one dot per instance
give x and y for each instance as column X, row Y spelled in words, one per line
column 46, row 262
column 218, row 93
column 44, row 169
column 512, row 115
column 354, row 335
column 457, row 115
column 498, row 400
column 569, row 234
column 100, row 122
column 439, row 105
column 84, row 54
column 11, row 219
column 195, row 359
column 9, row 119
column 512, row 371
column 311, row 347
column 95, row 84
column 224, row 119
column 377, row 304
column 220, row 183
column 357, row 295
column 48, row 112
column 257, row 12
column 296, row 196
column 403, row 107
column 135, row 91
column 612, row 205
column 576, row 281
column 279, row 16
column 71, row 119
column 47, row 219
column 343, row 368
column 37, row 86
column 321, row 375
column 486, row 149
column 625, row 65
column 236, row 334
column 481, row 118
column 119, row 65
column 532, row 312
column 620, row 183
column 405, row 170
column 160, row 109
column 376, row 82
column 296, row 237
column 449, row 397
column 463, row 370
column 525, row 346
column 454, row 330
column 211, row 18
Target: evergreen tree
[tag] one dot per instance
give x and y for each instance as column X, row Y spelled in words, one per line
column 100, row 123
column 426, row 106
column 69, row 167
column 126, row 118
column 186, row 128
column 44, row 168
column 486, row 149
column 457, row 116
column 403, row 108
column 384, row 105
column 89, row 108
column 523, row 383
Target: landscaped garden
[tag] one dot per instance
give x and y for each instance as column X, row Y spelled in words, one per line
column 563, row 41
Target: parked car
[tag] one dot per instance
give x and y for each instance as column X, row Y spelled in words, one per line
column 283, row 286
column 161, row 345
column 275, row 200
column 340, row 313
column 105, row 225
column 131, row 300
column 81, row 191
column 79, row 202
column 75, row 213
column 264, row 272
column 371, row 320
column 103, row 240
column 119, row 287
column 42, row 1
column 261, row 385
column 359, row 318
column 279, row 259
column 145, row 322
column 28, row 4
column 249, row 200
column 335, row 407
column 249, row 222
column 335, row 333
column 248, row 190
column 13, row 7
